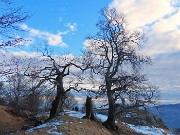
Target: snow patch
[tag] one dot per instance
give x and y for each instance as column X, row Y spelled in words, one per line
column 148, row 130
column 54, row 130
column 38, row 127
column 140, row 129
column 102, row 117
column 75, row 114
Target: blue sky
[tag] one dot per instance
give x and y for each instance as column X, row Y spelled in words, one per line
column 65, row 24
column 54, row 16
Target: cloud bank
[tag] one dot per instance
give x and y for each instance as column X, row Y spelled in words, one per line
column 159, row 18
column 51, row 38
column 161, row 21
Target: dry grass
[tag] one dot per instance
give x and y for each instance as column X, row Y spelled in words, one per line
column 82, row 127
column 8, row 122
column 70, row 126
column 76, row 126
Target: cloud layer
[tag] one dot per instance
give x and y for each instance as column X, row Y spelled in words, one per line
column 160, row 19
column 52, row 39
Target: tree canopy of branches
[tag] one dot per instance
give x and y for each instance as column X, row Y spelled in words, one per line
column 10, row 19
column 59, row 70
column 117, row 64
column 21, row 92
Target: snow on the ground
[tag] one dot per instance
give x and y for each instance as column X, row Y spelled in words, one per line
column 80, row 115
column 75, row 114
column 53, row 130
column 148, row 130
column 102, row 117
column 141, row 129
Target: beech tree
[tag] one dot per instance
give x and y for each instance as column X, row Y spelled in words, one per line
column 116, row 64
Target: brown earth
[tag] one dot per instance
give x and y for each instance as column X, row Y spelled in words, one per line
column 71, row 126
column 76, row 126
column 8, row 122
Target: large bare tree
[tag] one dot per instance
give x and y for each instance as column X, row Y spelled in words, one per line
column 116, row 64
column 60, row 70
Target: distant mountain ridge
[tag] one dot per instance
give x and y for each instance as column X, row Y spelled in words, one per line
column 169, row 113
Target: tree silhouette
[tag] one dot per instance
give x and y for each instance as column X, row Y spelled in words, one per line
column 116, row 64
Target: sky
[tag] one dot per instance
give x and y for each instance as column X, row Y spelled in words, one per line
column 65, row 25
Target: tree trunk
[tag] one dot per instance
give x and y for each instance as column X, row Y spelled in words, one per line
column 58, row 102
column 89, row 110
column 110, row 122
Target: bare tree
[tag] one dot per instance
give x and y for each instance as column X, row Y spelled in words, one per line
column 116, row 64
column 59, row 71
column 2, row 94
column 23, row 93
column 89, row 110
column 10, row 19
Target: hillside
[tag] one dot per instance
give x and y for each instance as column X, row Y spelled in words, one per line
column 75, row 126
column 70, row 124
column 67, row 125
column 169, row 114
column 8, row 122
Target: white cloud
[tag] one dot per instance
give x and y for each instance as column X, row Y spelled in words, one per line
column 21, row 54
column 88, row 44
column 52, row 39
column 160, row 19
column 165, row 72
column 35, row 32
column 55, row 40
column 168, row 24
column 143, row 12
column 163, row 43
column 24, row 26
column 72, row 27
column 164, row 35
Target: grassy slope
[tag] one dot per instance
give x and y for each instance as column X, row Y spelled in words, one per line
column 76, row 126
column 8, row 122
column 70, row 126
